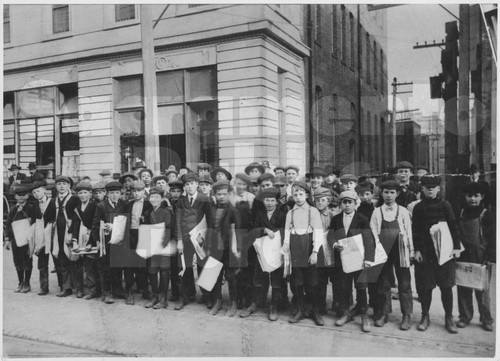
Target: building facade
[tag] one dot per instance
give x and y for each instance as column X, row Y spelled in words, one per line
column 230, row 86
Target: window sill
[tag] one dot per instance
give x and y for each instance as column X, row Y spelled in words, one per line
column 50, row 37
column 121, row 24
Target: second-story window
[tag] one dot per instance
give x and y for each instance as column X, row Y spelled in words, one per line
column 6, row 24
column 60, row 18
column 124, row 12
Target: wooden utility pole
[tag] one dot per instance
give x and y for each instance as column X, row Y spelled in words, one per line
column 395, row 92
column 463, row 92
column 152, row 141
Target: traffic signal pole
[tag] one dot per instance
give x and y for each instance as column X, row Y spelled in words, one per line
column 395, row 92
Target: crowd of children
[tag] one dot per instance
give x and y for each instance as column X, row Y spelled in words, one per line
column 312, row 216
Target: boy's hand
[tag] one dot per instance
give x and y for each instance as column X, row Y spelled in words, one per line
column 6, row 244
column 487, row 263
column 456, row 253
column 418, row 257
column 285, row 249
column 338, row 246
column 366, row 264
column 269, row 233
column 313, row 259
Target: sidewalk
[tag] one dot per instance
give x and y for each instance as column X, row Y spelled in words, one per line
column 124, row 330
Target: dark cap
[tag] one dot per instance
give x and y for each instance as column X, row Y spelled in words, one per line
column 474, row 168
column 14, row 166
column 138, row 185
column 98, row 186
column 253, row 165
column 390, row 184
column 156, row 190
column 345, row 178
column 321, row 192
column 302, row 185
column 245, row 178
column 223, row 183
column 430, row 180
column 205, row 178
column 38, row 184
column 190, row 177
column 83, row 185
column 105, row 172
column 364, row 187
column 474, row 188
column 316, row 171
column 220, row 169
column 176, row 185
column 125, row 175
column 279, row 180
column 329, row 169
column 63, row 178
column 403, row 165
column 32, row 165
column 139, row 165
column 264, row 177
column 269, row 193
column 116, row 176
column 204, row 166
column 22, row 188
column 113, row 186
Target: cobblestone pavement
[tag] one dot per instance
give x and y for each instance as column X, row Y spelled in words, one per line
column 76, row 327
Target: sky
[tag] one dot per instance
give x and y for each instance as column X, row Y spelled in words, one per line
column 407, row 25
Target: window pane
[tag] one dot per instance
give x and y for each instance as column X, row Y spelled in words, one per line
column 68, row 98
column 171, row 120
column 130, row 93
column 35, row 102
column 8, row 105
column 9, row 137
column 131, row 122
column 70, row 141
column 45, row 153
column 202, row 84
column 124, row 12
column 170, row 87
column 6, row 24
column 60, row 18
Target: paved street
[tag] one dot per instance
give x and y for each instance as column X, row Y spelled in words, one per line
column 35, row 326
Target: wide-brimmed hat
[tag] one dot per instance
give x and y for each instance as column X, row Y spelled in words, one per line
column 125, row 175
column 14, row 166
column 223, row 170
column 430, row 180
column 253, row 165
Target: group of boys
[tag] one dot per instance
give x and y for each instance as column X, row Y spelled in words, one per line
column 312, row 215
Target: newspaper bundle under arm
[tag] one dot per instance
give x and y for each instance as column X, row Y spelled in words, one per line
column 268, row 252
column 118, row 231
column 199, row 231
column 443, row 242
column 209, row 274
column 380, row 255
column 353, row 254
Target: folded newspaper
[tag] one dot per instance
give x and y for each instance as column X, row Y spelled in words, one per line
column 443, row 242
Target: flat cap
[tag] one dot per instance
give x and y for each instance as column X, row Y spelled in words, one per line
column 321, row 192
column 302, row 185
column 63, row 178
column 83, row 185
column 138, row 185
column 474, row 168
column 349, row 195
column 125, row 175
column 223, row 183
column 116, row 175
column 98, row 186
column 403, row 164
column 205, row 178
column 345, row 178
column 189, row 177
column 278, row 167
column 38, row 184
column 364, row 187
column 176, row 185
column 430, row 180
column 32, row 165
column 279, row 180
column 253, row 165
column 222, row 170
column 294, row 167
column 269, row 193
column 156, row 190
column 22, row 188
column 113, row 186
column 265, row 176
column 245, row 178
column 139, row 165
column 105, row 172
column 474, row 188
column 390, row 184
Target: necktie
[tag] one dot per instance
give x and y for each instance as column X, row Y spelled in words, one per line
column 191, row 200
column 114, row 204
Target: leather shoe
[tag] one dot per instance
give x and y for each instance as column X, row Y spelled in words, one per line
column 130, row 298
column 174, row 298
column 405, row 323
column 232, row 310
column 65, row 293
column 90, row 296
column 79, row 294
column 381, row 321
column 162, row 304
column 487, row 327
column 298, row 317
column 153, row 302
column 365, row 323
column 250, row 310
column 19, row 287
column 210, row 303
column 318, row 320
column 273, row 313
column 343, row 320
column 450, row 325
column 26, row 288
column 424, row 323
column 109, row 299
column 181, row 305
column 43, row 292
column 462, row 324
column 217, row 307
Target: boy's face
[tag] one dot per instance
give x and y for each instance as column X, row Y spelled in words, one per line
column 62, row 187
column 349, row 186
column 405, row 174
column 14, row 172
column 191, row 187
column 161, row 183
column 155, row 199
column 38, row 193
column 347, row 205
column 366, row 197
column 240, row 186
column 205, row 188
column 282, row 188
column 270, row 204
column 203, row 171
column 222, row 195
column 84, row 195
column 127, row 182
column 316, row 181
column 299, row 196
column 474, row 199
column 421, row 172
column 175, row 193
column 266, row 184
column 321, row 203
column 279, row 172
column 389, row 195
column 431, row 191
column 99, row 194
column 254, row 173
column 330, row 178
column 21, row 197
column 291, row 176
column 146, row 178
column 220, row 176
column 113, row 196
column 138, row 194
column 172, row 177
